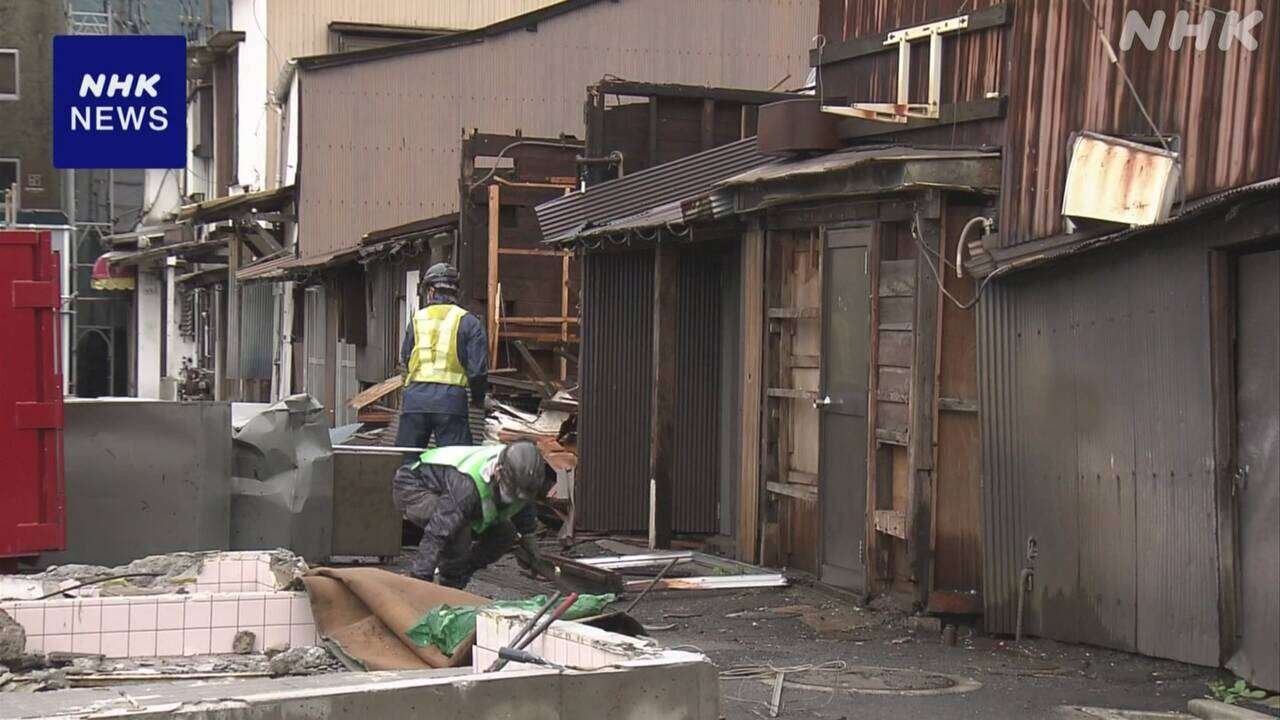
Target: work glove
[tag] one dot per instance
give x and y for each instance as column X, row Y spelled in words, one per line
column 530, row 560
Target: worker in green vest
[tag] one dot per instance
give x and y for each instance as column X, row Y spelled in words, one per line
column 445, row 353
column 473, row 503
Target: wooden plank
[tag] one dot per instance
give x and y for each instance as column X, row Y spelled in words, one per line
column 800, row 492
column 948, row 114
column 893, row 384
column 961, row 405
column 834, row 52
column 782, row 313
column 895, row 348
column 532, row 251
column 793, row 394
column 653, row 132
column 892, row 522
column 874, row 555
column 897, row 278
column 920, row 449
column 891, row 437
column 375, row 393
column 894, row 416
column 802, row 478
column 564, row 313
column 897, row 311
column 492, row 297
column 662, row 428
column 708, row 124
column 806, row 361
column 752, row 383
column 1222, row 331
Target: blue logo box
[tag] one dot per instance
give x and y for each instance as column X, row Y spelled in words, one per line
column 119, row 101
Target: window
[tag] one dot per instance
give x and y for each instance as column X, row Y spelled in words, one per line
column 10, row 171
column 8, row 74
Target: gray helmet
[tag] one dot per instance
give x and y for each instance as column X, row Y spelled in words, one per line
column 441, row 276
column 523, row 467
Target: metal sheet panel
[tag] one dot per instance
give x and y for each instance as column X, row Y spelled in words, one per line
column 1097, row 433
column 1060, row 79
column 257, row 308
column 377, row 151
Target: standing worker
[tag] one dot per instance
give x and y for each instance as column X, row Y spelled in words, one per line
column 445, row 351
column 473, row 505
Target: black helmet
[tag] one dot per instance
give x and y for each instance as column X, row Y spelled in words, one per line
column 523, row 469
column 441, row 276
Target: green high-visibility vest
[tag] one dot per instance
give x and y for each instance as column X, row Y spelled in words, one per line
column 470, row 460
column 435, row 346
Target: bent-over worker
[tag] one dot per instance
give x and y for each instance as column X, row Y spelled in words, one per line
column 445, row 352
column 473, row 504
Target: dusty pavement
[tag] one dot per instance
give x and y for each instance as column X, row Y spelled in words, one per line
column 804, row 625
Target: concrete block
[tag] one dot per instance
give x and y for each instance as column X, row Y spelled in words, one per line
column 1214, row 710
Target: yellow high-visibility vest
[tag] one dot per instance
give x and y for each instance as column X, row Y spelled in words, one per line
column 435, row 346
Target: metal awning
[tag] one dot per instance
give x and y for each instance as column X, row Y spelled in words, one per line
column 232, row 206
column 865, row 171
column 287, row 266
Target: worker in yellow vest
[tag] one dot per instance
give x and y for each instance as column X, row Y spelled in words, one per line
column 445, row 353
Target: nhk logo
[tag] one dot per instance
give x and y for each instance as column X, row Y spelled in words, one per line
column 119, row 101
column 1234, row 28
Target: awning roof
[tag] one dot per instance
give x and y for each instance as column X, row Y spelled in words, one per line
column 659, row 189
column 226, row 208
column 287, row 265
column 848, row 159
column 1039, row 252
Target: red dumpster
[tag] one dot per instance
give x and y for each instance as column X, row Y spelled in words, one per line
column 32, row 498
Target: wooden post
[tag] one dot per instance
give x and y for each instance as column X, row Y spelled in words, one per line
column 921, row 414
column 708, row 124
column 662, row 425
column 752, row 391
column 231, row 365
column 653, row 132
column 564, row 313
column 492, row 296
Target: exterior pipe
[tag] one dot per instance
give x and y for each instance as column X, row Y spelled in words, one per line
column 964, row 233
column 1025, row 579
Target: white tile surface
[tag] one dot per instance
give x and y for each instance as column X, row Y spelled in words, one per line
column 169, row 614
column 142, row 616
column 168, row 643
column 57, row 619
column 115, row 644
column 195, row 641
column 142, row 643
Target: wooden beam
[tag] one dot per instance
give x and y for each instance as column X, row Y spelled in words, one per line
column 492, row 297
column 662, row 425
column 891, row 522
column 564, row 312
column 920, row 431
column 801, row 492
column 1222, row 360
column 531, row 251
column 708, row 125
column 834, row 52
column 948, row 114
column 653, row 131
column 752, row 304
column 693, row 92
column 794, row 313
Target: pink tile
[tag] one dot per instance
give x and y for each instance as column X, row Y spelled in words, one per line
column 86, row 643
column 224, row 614
column 229, row 571
column 300, row 609
column 302, row 635
column 142, row 616
column 35, row 643
column 115, row 644
column 208, row 574
column 195, row 642
column 274, row 636
column 142, row 643
column 168, row 643
column 115, row 615
column 198, row 613
column 57, row 618
column 251, row 612
column 30, row 618
column 220, row 639
column 277, row 610
column 57, row 643
column 87, row 617
column 169, row 615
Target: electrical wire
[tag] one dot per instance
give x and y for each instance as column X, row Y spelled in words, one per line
column 502, row 153
column 1115, row 60
column 927, row 252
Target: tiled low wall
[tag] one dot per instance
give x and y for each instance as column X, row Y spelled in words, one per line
column 232, row 592
column 564, row 643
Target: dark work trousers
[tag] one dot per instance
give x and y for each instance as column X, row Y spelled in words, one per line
column 464, row 553
column 417, row 427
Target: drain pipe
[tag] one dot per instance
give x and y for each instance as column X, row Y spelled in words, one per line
column 986, row 224
column 1025, row 580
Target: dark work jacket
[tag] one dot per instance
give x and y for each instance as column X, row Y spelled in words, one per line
column 473, row 354
column 456, row 509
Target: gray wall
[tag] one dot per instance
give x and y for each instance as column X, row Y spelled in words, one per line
column 1098, row 442
column 26, row 124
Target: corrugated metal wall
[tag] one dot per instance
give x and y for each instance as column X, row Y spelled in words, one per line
column 257, row 313
column 612, row 491
column 1060, row 79
column 1097, row 431
column 363, row 171
column 612, row 479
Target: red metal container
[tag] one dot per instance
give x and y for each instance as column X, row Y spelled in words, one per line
column 32, row 495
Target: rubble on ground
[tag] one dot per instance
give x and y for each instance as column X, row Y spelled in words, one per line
column 311, row 660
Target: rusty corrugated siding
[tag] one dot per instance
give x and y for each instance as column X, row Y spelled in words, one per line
column 1097, row 431
column 612, row 490
column 1059, row 79
column 377, row 151
column 612, row 481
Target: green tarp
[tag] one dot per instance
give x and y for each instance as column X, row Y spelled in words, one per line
column 447, row 626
